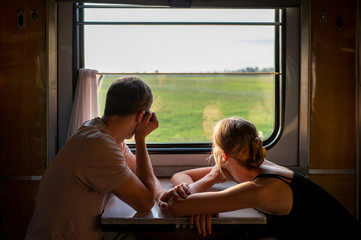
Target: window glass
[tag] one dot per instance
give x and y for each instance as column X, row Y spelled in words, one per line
column 188, row 106
column 178, row 15
column 202, row 64
column 181, row 49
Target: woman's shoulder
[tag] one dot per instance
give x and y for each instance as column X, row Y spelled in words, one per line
column 270, row 169
column 274, row 189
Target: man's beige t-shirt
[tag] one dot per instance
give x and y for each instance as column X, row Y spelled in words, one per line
column 77, row 185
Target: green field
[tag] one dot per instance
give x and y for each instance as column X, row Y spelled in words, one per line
column 188, row 106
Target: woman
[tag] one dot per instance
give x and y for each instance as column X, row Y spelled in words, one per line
column 296, row 208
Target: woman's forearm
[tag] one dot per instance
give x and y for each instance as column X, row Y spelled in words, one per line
column 195, row 204
column 199, row 179
column 181, row 177
column 203, row 185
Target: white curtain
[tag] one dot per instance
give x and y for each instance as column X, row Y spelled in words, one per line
column 85, row 105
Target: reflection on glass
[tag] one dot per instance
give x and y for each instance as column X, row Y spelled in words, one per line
column 188, row 106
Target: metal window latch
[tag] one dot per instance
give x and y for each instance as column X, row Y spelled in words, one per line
column 339, row 21
column 34, row 15
column 323, row 17
column 20, row 19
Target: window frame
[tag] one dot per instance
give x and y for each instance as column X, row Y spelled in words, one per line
column 292, row 148
column 199, row 147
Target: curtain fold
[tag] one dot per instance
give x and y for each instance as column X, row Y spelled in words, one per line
column 85, row 104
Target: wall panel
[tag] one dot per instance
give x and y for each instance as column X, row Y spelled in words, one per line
column 341, row 186
column 332, row 123
column 18, row 201
column 23, row 136
column 23, row 139
column 333, row 85
column 22, row 90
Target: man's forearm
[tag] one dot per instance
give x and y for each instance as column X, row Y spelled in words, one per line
column 159, row 189
column 144, row 169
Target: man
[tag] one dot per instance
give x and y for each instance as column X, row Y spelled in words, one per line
column 95, row 164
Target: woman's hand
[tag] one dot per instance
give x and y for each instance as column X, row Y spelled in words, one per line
column 178, row 193
column 203, row 223
column 220, row 177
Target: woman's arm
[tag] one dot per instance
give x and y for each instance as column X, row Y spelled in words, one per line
column 190, row 176
column 200, row 179
column 243, row 195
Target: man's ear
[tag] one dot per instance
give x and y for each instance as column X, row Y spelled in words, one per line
column 140, row 116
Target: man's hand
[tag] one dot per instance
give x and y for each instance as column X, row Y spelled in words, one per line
column 178, row 193
column 147, row 125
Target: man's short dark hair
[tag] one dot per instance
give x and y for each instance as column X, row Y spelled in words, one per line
column 128, row 95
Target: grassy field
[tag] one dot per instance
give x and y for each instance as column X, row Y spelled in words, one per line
column 189, row 106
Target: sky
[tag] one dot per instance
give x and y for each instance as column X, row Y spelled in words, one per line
column 178, row 48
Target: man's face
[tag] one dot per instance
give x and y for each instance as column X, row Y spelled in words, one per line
column 133, row 126
column 137, row 119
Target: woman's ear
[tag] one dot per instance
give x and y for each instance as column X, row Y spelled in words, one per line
column 140, row 116
column 224, row 155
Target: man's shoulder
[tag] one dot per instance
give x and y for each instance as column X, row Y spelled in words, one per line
column 93, row 125
column 93, row 131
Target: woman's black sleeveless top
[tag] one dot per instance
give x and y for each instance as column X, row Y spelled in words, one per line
column 315, row 214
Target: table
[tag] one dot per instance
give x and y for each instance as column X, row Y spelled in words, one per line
column 118, row 216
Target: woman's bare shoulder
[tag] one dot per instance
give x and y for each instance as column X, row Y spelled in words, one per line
column 269, row 167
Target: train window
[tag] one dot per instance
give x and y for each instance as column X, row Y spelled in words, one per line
column 202, row 65
column 245, row 58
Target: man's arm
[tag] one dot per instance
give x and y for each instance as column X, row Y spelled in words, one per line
column 162, row 195
column 131, row 162
column 135, row 194
column 139, row 189
column 143, row 167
